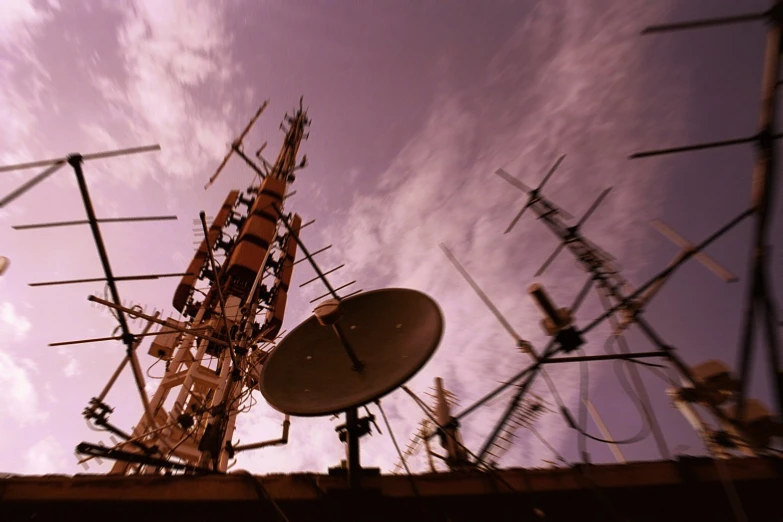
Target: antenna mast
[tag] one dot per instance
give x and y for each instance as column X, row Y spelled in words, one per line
column 211, row 374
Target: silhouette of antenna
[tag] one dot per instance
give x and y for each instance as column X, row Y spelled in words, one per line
column 523, row 416
column 236, row 146
column 760, row 298
column 419, row 439
column 572, row 232
column 533, row 194
column 613, row 289
column 523, row 345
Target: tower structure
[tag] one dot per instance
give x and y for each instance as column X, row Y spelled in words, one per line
column 213, row 357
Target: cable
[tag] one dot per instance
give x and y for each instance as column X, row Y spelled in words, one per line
column 583, row 411
column 640, row 390
column 92, row 426
column 150, row 367
column 399, row 452
column 263, row 494
column 644, row 432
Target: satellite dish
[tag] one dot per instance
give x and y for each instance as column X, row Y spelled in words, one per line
column 393, row 332
column 4, row 262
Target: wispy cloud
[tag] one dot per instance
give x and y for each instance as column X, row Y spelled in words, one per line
column 23, row 78
column 19, row 19
column 71, row 367
column 21, row 396
column 46, row 456
column 168, row 52
column 572, row 79
column 12, row 324
column 18, row 375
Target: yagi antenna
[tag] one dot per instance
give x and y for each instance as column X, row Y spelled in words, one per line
column 523, row 416
column 572, row 232
column 533, row 194
column 236, row 144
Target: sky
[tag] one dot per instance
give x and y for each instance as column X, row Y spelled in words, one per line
column 414, row 106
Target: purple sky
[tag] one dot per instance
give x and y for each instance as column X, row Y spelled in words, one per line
column 414, row 105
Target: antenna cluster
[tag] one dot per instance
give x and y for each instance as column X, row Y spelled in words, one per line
column 709, row 387
column 358, row 347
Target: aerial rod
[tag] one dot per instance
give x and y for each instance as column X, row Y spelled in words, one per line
column 346, row 285
column 136, row 313
column 85, row 448
column 100, row 220
column 55, row 165
column 236, row 144
column 307, row 254
column 75, row 161
column 522, row 344
column 98, row 279
column 85, row 157
column 711, row 22
column 119, row 337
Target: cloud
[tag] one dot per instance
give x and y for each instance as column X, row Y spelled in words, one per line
column 21, row 397
column 45, row 456
column 20, row 394
column 23, row 79
column 12, row 324
column 169, row 53
column 71, row 368
column 19, row 19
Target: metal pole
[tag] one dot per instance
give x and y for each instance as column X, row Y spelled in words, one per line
column 352, row 448
column 763, row 188
column 125, row 360
column 75, row 160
